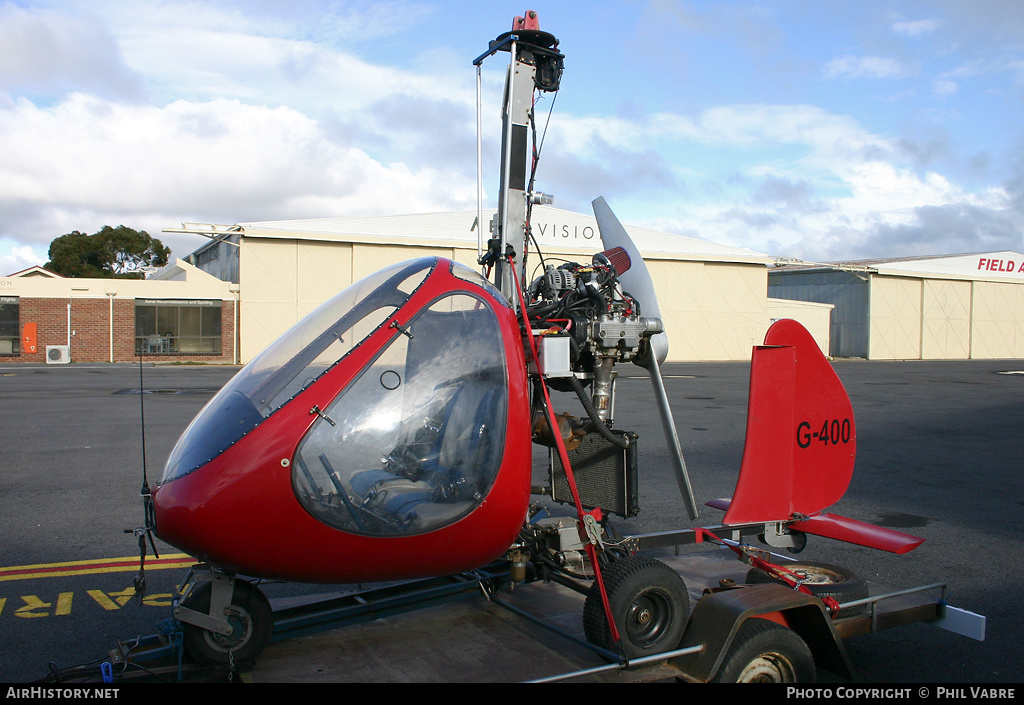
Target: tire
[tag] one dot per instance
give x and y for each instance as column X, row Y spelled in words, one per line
column 649, row 604
column 766, row 652
column 824, row 580
column 250, row 616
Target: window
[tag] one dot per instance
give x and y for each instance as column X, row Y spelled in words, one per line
column 293, row 362
column 177, row 327
column 10, row 336
column 414, row 444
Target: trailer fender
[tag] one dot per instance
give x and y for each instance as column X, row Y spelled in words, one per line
column 717, row 618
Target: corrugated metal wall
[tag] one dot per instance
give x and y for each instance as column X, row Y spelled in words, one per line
column 946, row 320
column 997, row 327
column 847, row 291
column 895, row 332
column 815, row 317
column 711, row 310
column 911, row 318
column 219, row 259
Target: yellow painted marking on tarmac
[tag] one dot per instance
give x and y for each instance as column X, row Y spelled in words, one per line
column 34, row 607
column 128, row 564
column 31, row 608
column 163, row 599
column 104, row 599
column 64, row 603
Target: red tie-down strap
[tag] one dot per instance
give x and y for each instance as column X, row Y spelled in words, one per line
column 749, row 555
column 594, row 514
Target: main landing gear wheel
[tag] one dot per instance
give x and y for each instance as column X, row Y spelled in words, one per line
column 251, row 619
column 649, row 604
column 766, row 652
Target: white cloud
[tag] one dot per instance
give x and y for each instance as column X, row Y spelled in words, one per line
column 102, row 162
column 19, row 258
column 850, row 66
column 51, row 51
column 328, row 21
column 307, row 57
column 807, row 183
column 272, row 110
column 916, row 28
column 217, row 142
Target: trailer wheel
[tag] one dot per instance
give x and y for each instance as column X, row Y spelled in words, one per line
column 822, row 579
column 649, row 604
column 766, row 652
column 250, row 617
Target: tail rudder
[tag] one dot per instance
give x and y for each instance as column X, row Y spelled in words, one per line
column 801, row 445
column 801, row 434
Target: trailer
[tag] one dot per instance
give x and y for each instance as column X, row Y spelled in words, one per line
column 487, row 626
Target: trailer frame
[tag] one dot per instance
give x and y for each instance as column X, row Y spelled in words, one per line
column 724, row 605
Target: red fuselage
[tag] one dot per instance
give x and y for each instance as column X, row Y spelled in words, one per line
column 302, row 494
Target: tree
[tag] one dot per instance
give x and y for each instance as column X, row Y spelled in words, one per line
column 111, row 253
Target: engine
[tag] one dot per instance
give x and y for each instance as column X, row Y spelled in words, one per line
column 585, row 304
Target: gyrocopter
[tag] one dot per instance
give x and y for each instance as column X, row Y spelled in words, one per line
column 389, row 435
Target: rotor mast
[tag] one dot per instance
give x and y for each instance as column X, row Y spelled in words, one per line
column 535, row 64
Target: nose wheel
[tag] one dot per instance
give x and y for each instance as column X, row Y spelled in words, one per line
column 249, row 618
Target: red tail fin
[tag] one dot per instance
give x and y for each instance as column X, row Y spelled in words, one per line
column 801, row 444
column 801, row 436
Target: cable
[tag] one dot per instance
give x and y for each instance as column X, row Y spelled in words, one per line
column 547, row 123
column 567, row 466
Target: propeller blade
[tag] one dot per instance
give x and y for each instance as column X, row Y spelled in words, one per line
column 668, row 425
column 638, row 282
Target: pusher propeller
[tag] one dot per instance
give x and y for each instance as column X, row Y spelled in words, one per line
column 638, row 282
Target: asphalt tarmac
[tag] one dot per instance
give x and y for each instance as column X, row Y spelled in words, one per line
column 939, row 448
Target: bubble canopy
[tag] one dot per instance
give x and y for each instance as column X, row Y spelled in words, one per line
column 292, row 362
column 414, row 441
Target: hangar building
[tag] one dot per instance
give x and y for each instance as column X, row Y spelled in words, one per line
column 953, row 307
column 713, row 298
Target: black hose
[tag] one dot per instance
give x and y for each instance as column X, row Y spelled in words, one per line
column 599, row 425
column 591, row 291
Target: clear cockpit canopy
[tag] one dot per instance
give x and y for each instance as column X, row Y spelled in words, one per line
column 293, row 362
column 415, row 441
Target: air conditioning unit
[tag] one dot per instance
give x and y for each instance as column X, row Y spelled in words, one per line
column 58, row 354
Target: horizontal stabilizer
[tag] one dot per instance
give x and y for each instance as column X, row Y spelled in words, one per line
column 840, row 528
column 833, row 526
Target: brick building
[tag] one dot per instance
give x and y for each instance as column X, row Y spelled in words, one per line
column 178, row 314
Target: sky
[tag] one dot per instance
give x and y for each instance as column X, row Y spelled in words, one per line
column 820, row 130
